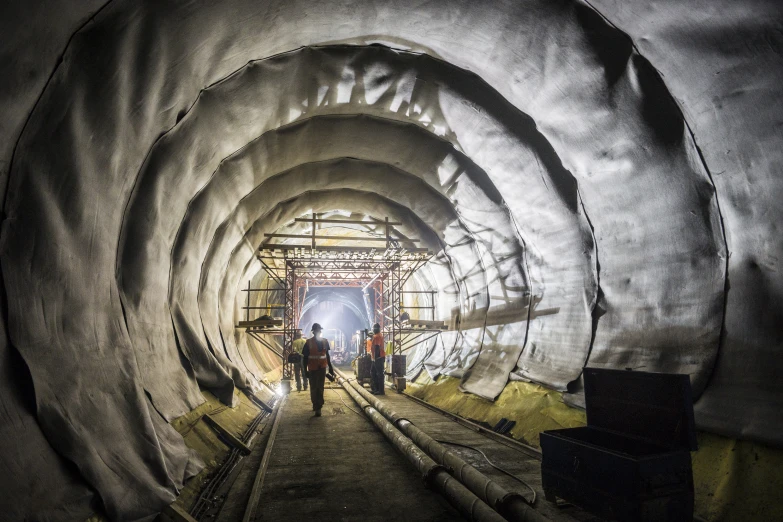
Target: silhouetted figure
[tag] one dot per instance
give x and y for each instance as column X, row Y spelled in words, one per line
column 315, row 359
column 296, row 359
column 378, row 355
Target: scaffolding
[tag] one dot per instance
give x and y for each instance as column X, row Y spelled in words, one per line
column 295, row 268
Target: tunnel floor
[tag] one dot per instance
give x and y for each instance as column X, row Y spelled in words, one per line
column 340, row 467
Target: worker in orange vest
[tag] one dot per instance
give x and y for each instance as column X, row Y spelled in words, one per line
column 378, row 355
column 315, row 360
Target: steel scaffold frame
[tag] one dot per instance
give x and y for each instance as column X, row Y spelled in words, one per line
column 296, row 268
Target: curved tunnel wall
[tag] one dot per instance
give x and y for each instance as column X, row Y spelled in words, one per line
column 538, row 149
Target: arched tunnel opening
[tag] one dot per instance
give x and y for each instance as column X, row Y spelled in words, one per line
column 563, row 216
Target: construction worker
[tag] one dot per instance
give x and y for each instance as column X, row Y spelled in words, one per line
column 378, row 355
column 315, row 360
column 299, row 369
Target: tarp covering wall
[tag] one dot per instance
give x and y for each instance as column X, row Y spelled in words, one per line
column 596, row 197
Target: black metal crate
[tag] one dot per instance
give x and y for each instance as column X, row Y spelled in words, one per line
column 632, row 461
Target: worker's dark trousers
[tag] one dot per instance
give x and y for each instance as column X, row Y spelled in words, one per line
column 317, row 378
column 376, row 375
column 299, row 374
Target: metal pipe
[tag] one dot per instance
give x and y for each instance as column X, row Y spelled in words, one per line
column 512, row 506
column 435, row 475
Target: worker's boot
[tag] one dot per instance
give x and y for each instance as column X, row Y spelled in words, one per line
column 318, row 413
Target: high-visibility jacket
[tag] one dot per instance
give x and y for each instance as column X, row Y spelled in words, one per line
column 317, row 357
column 378, row 339
column 298, row 345
column 368, row 346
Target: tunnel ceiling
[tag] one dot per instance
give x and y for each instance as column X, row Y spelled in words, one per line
column 600, row 185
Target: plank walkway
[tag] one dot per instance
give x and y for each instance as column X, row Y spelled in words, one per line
column 340, row 467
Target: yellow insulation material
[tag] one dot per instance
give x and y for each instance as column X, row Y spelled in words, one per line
column 533, row 407
column 737, row 479
column 734, row 479
column 203, row 439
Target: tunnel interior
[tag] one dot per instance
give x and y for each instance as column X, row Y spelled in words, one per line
column 598, row 187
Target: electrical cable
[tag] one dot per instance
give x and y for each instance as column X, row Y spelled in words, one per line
column 346, row 405
column 203, row 502
column 531, row 502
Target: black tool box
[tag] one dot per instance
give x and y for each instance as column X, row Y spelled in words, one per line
column 396, row 366
column 363, row 366
column 632, row 461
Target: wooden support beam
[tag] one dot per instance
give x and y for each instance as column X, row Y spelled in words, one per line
column 420, row 323
column 260, row 323
column 258, row 483
column 230, row 437
column 360, row 250
column 347, row 221
column 177, row 513
column 261, row 404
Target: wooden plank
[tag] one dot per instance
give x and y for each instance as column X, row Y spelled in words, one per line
column 340, row 238
column 259, row 402
column 441, row 325
column 346, row 221
column 378, row 251
column 258, row 483
column 177, row 513
column 260, row 322
column 232, row 439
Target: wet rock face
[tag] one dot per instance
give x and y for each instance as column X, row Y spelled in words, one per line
column 599, row 186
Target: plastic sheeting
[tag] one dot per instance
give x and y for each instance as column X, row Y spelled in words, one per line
column 723, row 63
column 604, row 243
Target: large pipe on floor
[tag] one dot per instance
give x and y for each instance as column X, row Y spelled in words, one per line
column 512, row 506
column 435, row 475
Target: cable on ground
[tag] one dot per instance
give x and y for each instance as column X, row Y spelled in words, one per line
column 531, row 502
column 346, row 405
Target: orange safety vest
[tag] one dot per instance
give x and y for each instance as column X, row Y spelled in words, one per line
column 378, row 339
column 317, row 358
column 368, row 346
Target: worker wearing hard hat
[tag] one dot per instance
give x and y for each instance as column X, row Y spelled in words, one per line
column 315, row 360
column 296, row 360
column 378, row 355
